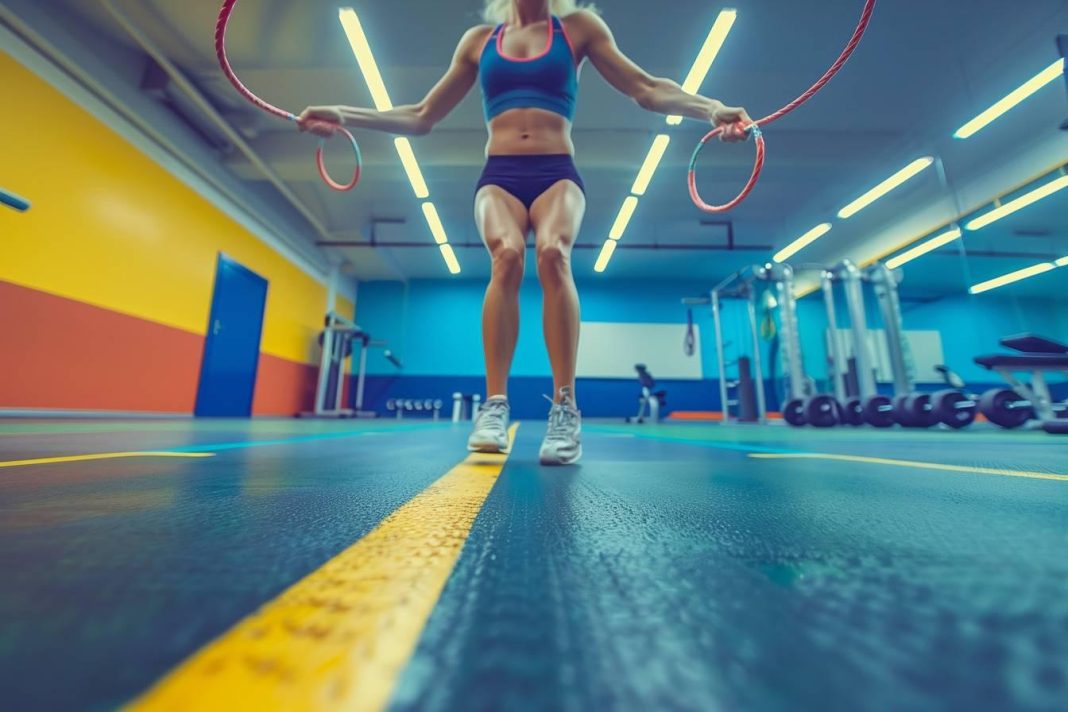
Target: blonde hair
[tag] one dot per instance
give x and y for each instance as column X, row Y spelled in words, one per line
column 497, row 11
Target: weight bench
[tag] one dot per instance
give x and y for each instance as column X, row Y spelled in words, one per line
column 1038, row 356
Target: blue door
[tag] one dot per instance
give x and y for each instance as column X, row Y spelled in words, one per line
column 232, row 347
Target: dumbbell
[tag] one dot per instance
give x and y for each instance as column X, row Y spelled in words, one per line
column 1005, row 407
column 851, row 412
column 912, row 410
column 819, row 411
column 391, row 406
column 878, row 411
column 917, row 409
column 953, row 408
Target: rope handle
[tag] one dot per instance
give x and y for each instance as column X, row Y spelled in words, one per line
column 228, row 70
column 754, row 128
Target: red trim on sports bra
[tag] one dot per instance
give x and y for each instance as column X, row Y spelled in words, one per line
column 548, row 45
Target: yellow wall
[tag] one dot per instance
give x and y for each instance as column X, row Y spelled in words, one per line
column 112, row 228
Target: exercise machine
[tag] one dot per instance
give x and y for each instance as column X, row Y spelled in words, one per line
column 740, row 286
column 338, row 339
column 650, row 401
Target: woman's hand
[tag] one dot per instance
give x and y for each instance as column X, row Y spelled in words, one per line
column 734, row 120
column 321, row 120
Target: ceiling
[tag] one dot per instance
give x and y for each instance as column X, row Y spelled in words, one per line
column 923, row 70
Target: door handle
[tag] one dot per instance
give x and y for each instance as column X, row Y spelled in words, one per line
column 216, row 327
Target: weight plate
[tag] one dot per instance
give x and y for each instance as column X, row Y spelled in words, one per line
column 1005, row 408
column 821, row 411
column 953, row 408
column 879, row 411
column 794, row 412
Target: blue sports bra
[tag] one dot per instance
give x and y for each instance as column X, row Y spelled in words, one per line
column 546, row 81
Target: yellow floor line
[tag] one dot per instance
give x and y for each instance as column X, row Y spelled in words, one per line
column 909, row 463
column 99, row 456
column 339, row 638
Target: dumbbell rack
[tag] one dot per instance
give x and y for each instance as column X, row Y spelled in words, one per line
column 414, row 406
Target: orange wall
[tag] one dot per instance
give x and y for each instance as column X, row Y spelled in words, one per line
column 130, row 250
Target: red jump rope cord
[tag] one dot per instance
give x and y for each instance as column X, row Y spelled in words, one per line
column 224, row 63
column 754, row 128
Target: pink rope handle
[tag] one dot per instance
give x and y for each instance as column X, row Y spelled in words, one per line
column 754, row 128
column 224, row 63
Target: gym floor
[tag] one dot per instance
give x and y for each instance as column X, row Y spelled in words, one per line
column 679, row 567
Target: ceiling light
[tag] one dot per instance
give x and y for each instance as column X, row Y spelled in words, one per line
column 432, row 219
column 933, row 244
column 652, row 161
column 909, row 171
column 623, row 219
column 362, row 49
column 1030, row 87
column 1018, row 204
column 1062, row 262
column 411, row 167
column 713, row 43
column 1011, row 277
column 802, row 242
column 606, row 254
column 450, row 258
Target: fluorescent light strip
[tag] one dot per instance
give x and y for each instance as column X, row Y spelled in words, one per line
column 411, row 167
column 1062, row 262
column 1027, row 89
column 606, row 254
column 1011, row 277
column 623, row 219
column 1018, row 204
column 350, row 22
column 450, row 258
column 906, row 173
column 802, row 242
column 652, row 161
column 713, row 44
column 432, row 219
column 362, row 49
column 920, row 250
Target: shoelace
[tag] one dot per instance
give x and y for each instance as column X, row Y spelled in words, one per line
column 493, row 413
column 562, row 419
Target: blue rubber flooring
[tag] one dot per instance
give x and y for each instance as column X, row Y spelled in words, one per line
column 668, row 571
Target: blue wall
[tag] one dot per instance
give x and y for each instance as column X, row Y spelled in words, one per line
column 435, row 328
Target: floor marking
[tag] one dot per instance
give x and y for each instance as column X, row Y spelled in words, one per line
column 241, row 444
column 911, row 463
column 101, row 456
column 340, row 637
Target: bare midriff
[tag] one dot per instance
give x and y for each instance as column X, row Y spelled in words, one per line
column 529, row 132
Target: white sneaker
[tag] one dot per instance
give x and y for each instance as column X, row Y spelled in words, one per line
column 562, row 444
column 491, row 427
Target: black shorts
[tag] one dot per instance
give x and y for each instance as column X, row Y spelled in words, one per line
column 527, row 177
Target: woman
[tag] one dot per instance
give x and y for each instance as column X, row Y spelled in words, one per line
column 528, row 58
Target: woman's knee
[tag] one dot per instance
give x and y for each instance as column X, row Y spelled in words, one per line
column 508, row 263
column 554, row 260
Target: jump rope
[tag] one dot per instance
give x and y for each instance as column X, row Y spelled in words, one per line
column 753, row 129
column 335, row 128
column 758, row 135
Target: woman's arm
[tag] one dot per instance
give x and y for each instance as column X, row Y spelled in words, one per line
column 657, row 94
column 413, row 119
